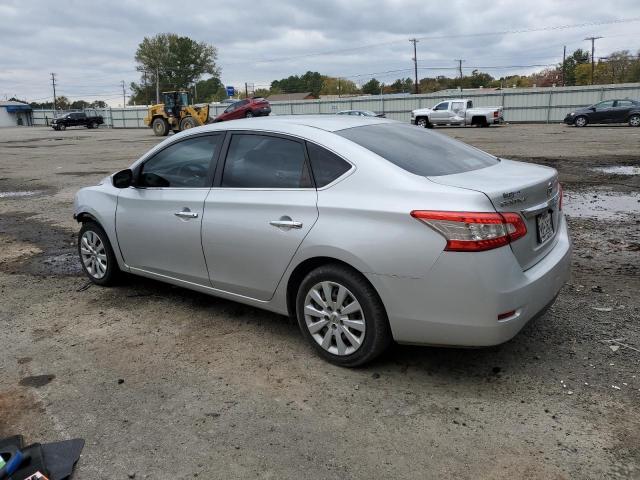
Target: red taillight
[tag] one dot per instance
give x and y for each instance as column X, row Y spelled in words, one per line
column 474, row 231
column 495, row 114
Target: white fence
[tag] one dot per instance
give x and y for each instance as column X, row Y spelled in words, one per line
column 536, row 105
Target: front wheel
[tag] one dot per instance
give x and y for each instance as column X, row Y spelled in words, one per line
column 580, row 121
column 422, row 122
column 160, row 127
column 62, row 127
column 634, row 120
column 341, row 315
column 249, row 114
column 96, row 255
column 94, row 125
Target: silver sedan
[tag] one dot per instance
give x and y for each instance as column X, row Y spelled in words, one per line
column 366, row 230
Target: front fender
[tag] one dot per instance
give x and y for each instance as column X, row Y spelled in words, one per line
column 99, row 204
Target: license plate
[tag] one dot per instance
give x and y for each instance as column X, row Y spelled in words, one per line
column 545, row 227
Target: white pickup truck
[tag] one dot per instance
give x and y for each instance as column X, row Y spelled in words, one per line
column 456, row 111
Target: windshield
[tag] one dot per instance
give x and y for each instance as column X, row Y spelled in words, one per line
column 184, row 98
column 417, row 150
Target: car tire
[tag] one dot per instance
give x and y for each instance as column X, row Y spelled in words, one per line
column 249, row 114
column 187, row 122
column 94, row 125
column 160, row 127
column 581, row 121
column 422, row 122
column 634, row 120
column 62, row 127
column 96, row 255
column 345, row 339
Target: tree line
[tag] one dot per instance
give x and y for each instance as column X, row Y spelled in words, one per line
column 168, row 61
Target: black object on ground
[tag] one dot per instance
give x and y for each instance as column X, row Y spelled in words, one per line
column 54, row 460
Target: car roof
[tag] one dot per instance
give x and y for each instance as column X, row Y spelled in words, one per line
column 329, row 123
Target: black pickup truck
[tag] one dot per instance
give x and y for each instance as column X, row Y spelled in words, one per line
column 77, row 119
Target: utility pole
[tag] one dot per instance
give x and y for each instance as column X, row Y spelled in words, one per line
column 338, row 87
column 459, row 60
column 246, row 90
column 593, row 60
column 53, row 82
column 124, row 97
column 564, row 59
column 415, row 63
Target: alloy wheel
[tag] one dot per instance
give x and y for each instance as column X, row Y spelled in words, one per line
column 94, row 254
column 334, row 318
column 581, row 122
column 634, row 121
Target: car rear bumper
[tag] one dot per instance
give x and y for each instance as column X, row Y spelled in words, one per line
column 458, row 302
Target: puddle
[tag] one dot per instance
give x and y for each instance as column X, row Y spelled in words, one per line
column 19, row 194
column 601, row 205
column 36, row 381
column 53, row 248
column 619, row 170
column 65, row 264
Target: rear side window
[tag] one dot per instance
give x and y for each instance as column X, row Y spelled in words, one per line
column 417, row 150
column 260, row 161
column 325, row 165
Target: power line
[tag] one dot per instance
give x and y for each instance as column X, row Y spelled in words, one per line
column 448, row 37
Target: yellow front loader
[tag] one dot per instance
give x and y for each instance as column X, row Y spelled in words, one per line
column 175, row 114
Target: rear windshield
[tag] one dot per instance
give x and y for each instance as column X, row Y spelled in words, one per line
column 417, row 150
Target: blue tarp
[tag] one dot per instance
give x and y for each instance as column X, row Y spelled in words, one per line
column 17, row 108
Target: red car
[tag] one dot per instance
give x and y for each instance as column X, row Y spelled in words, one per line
column 251, row 107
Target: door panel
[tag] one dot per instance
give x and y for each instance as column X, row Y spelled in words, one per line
column 256, row 219
column 158, row 222
column 440, row 114
column 245, row 253
column 152, row 237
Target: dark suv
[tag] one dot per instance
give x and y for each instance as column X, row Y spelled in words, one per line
column 250, row 107
column 607, row 111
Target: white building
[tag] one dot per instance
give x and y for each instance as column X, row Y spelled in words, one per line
column 15, row 113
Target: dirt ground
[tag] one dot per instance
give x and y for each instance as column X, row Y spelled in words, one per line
column 167, row 383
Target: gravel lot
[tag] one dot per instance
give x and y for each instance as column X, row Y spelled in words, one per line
column 167, row 383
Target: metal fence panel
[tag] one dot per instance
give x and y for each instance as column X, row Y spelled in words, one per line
column 544, row 104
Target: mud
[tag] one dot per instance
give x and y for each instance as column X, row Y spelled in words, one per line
column 163, row 382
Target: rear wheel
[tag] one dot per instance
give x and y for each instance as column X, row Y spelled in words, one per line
column 581, row 121
column 160, row 127
column 341, row 316
column 187, row 122
column 249, row 114
column 96, row 255
column 94, row 125
column 634, row 120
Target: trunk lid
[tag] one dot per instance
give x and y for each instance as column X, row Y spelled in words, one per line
column 524, row 188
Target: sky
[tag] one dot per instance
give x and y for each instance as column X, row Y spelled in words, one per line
column 91, row 45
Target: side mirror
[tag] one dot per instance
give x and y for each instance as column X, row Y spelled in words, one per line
column 122, row 179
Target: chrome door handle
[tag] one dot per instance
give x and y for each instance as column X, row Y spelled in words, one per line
column 285, row 224
column 186, row 214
